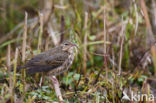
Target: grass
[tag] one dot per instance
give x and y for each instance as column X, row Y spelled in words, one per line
column 112, row 58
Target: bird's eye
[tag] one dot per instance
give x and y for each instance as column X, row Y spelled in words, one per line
column 66, row 44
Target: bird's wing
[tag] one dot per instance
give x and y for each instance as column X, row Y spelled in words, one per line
column 57, row 59
column 36, row 59
column 47, row 64
column 41, row 57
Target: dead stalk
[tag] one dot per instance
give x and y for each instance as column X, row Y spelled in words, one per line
column 154, row 13
column 149, row 36
column 8, row 57
column 113, row 59
column 9, row 71
column 121, row 45
column 136, row 18
column 105, row 40
column 144, row 9
column 47, row 43
column 24, row 38
column 120, row 58
column 85, row 44
column 52, row 34
column 24, row 52
column 40, row 32
column 15, row 65
column 47, row 11
column 62, row 29
column 153, row 51
column 14, row 73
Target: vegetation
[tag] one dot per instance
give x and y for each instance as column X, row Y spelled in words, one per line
column 116, row 55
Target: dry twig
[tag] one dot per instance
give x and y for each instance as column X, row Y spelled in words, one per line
column 85, row 44
column 149, row 37
column 62, row 29
column 24, row 52
column 121, row 45
column 105, row 39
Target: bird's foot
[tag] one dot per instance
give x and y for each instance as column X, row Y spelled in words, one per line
column 60, row 99
column 54, row 79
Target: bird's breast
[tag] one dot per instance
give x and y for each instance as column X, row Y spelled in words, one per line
column 68, row 62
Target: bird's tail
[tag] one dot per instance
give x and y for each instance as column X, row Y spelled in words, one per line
column 18, row 68
column 3, row 78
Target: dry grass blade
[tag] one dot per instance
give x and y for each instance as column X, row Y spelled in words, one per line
column 112, row 58
column 40, row 32
column 62, row 29
column 143, row 6
column 9, row 71
column 153, row 15
column 24, row 52
column 153, row 51
column 24, row 38
column 104, row 29
column 121, row 45
column 47, row 43
column 8, row 57
column 14, row 74
column 85, row 44
column 137, row 16
column 149, row 36
column 47, row 11
column 15, row 66
column 105, row 39
column 52, row 34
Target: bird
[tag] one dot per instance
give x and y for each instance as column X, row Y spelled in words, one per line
column 53, row 62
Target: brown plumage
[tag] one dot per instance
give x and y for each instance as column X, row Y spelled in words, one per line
column 53, row 61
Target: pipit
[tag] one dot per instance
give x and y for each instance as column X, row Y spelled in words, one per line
column 52, row 62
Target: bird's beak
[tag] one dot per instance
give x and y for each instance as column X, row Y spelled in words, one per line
column 74, row 45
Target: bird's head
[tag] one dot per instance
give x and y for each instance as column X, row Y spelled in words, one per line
column 68, row 46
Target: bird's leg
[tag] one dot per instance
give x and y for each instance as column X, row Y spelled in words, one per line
column 57, row 88
column 42, row 79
